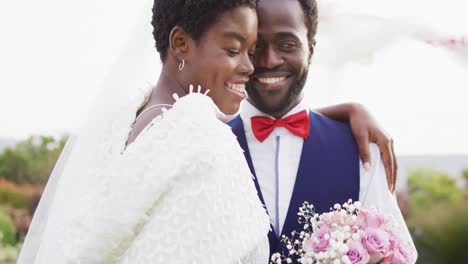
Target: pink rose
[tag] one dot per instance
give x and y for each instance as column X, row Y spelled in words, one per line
column 368, row 218
column 357, row 254
column 398, row 254
column 319, row 240
column 377, row 244
column 394, row 236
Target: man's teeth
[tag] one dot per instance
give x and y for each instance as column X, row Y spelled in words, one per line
column 237, row 87
column 271, row 80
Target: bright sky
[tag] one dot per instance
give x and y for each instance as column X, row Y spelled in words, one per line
column 54, row 55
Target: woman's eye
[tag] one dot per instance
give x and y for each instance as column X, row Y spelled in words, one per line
column 232, row 52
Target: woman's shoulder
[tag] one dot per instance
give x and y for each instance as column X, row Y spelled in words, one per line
column 193, row 118
column 195, row 108
column 143, row 120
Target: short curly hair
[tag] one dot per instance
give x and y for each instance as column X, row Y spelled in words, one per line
column 311, row 16
column 309, row 7
column 194, row 16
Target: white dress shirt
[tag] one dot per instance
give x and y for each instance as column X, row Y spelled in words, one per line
column 276, row 161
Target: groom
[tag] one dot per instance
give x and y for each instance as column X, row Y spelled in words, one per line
column 295, row 155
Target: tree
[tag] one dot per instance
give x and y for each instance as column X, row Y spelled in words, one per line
column 465, row 176
column 428, row 187
column 13, row 166
column 439, row 217
column 32, row 160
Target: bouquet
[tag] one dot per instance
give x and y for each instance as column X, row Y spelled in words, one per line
column 348, row 234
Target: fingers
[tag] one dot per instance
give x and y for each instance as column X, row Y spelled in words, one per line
column 386, row 152
column 395, row 168
column 364, row 150
column 199, row 90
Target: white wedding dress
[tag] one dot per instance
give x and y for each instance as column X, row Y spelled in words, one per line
column 180, row 193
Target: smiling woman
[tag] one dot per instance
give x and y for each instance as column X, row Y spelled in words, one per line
column 220, row 59
column 144, row 173
column 215, row 55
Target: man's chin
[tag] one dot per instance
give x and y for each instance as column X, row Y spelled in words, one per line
column 273, row 108
column 280, row 103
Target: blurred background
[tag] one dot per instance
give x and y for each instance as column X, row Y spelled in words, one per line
column 405, row 60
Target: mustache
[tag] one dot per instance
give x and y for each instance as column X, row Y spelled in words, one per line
column 260, row 70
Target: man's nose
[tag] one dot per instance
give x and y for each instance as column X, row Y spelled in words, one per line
column 268, row 57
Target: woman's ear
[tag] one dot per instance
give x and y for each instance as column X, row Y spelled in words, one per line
column 180, row 43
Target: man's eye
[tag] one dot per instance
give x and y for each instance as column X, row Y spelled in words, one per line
column 232, row 52
column 288, row 45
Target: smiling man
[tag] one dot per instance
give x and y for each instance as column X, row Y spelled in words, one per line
column 299, row 155
column 284, row 51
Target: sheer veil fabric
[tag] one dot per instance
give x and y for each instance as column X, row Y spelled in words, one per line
column 135, row 69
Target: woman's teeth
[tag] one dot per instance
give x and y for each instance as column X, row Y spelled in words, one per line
column 240, row 88
column 271, row 80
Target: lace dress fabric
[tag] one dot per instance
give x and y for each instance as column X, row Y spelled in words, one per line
column 180, row 193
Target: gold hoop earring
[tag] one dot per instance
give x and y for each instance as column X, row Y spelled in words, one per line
column 181, row 65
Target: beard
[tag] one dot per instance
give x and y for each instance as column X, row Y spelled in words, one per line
column 291, row 99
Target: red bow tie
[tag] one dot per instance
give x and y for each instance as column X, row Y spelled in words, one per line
column 298, row 124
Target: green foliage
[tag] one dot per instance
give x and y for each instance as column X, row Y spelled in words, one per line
column 32, row 160
column 7, row 230
column 13, row 165
column 465, row 176
column 14, row 198
column 9, row 254
column 427, row 187
column 439, row 216
column 443, row 231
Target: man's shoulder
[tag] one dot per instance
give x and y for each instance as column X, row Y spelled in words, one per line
column 327, row 124
column 333, row 135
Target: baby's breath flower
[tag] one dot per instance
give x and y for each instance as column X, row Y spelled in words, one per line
column 344, row 248
column 355, row 236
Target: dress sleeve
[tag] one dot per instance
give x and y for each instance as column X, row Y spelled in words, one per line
column 374, row 194
column 187, row 153
column 116, row 206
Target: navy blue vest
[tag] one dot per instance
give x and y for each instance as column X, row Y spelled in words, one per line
column 328, row 171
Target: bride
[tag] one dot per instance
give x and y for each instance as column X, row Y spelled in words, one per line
column 162, row 179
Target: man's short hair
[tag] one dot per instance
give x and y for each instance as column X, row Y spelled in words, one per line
column 311, row 18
